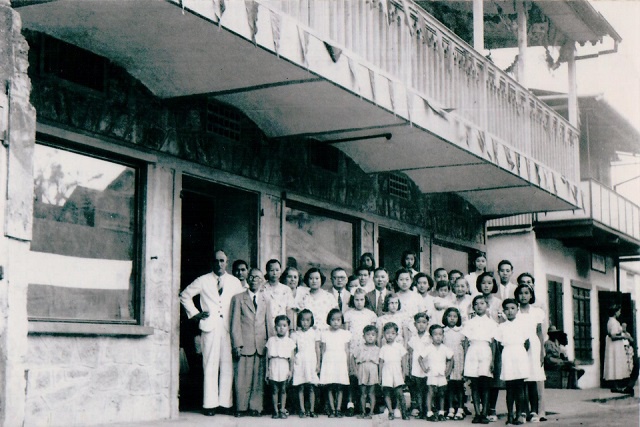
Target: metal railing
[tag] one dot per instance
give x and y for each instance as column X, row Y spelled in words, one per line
column 416, row 49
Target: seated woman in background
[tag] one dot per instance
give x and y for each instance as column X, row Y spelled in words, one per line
column 555, row 358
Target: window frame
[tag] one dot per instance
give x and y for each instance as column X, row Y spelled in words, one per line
column 556, row 317
column 581, row 298
column 101, row 150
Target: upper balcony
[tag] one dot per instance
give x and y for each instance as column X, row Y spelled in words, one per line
column 347, row 73
column 608, row 223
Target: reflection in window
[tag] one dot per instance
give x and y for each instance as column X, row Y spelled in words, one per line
column 84, row 238
column 314, row 240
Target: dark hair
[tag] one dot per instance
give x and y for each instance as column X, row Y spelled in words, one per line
column 361, row 268
column 306, row 311
column 272, row 261
column 519, row 289
column 370, row 256
column 280, row 318
column 415, row 259
column 509, row 301
column 421, row 275
column 237, row 263
column 332, row 312
column 375, row 270
column 352, row 278
column 435, row 272
column 402, row 271
column 442, row 284
column 452, row 272
column 420, row 315
column 432, row 328
column 505, row 262
column 452, row 310
column 390, row 325
column 479, row 282
column 285, row 273
column 385, row 306
column 310, row 272
column 476, row 298
column 613, row 309
column 533, row 279
column 477, row 255
column 335, row 270
column 370, row 328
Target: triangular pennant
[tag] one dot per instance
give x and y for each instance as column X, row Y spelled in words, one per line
column 334, row 52
column 252, row 18
column 352, row 73
column 392, row 97
column 495, row 147
column 409, row 106
column 482, row 143
column 435, row 110
column 372, row 81
column 507, row 153
column 303, row 36
column 275, row 30
column 218, row 10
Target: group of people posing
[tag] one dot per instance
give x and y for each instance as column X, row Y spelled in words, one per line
column 368, row 333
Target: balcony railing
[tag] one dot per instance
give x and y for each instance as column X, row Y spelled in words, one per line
column 604, row 206
column 418, row 50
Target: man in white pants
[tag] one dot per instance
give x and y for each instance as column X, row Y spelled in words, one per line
column 216, row 290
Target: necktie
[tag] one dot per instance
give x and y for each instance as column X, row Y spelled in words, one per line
column 255, row 303
column 379, row 305
column 220, row 290
column 340, row 300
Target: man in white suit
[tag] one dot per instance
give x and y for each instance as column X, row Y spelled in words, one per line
column 216, row 290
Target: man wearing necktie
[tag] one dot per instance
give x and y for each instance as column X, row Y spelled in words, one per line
column 250, row 329
column 339, row 280
column 216, row 290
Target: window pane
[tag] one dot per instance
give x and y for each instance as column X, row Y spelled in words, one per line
column 314, row 240
column 84, row 231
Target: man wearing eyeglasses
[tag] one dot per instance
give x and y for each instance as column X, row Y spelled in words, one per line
column 216, row 290
column 339, row 280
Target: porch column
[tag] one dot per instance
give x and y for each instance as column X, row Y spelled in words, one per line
column 522, row 43
column 478, row 25
column 573, row 87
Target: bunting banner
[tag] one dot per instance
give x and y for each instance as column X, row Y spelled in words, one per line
column 409, row 98
column 482, row 143
column 495, row 147
column 518, row 164
column 392, row 97
column 528, row 165
column 252, row 18
column 218, row 10
column 334, row 52
column 436, row 111
column 303, row 36
column 507, row 153
column 352, row 73
column 276, row 21
column 538, row 173
column 372, row 80
column 553, row 181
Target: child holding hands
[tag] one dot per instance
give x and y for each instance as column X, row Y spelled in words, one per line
column 367, row 359
column 280, row 364
column 307, row 362
column 416, row 347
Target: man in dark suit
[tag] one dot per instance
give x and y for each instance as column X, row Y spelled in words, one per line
column 250, row 329
column 375, row 298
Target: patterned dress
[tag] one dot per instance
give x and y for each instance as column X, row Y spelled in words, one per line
column 367, row 360
column 399, row 318
column 454, row 339
column 319, row 303
column 355, row 321
column 280, row 299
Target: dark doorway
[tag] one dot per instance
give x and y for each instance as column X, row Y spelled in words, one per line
column 605, row 300
column 391, row 245
column 213, row 217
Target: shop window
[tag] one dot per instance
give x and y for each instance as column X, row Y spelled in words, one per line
column 582, row 323
column 86, row 237
column 554, row 289
column 399, row 186
column 318, row 239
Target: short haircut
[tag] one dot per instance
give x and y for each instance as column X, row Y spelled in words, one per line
column 352, row 278
column 359, row 291
column 370, row 328
column 335, row 270
column 452, row 310
column 519, row 289
column 375, row 270
column 310, row 272
column 435, row 327
column 509, row 301
column 505, row 262
column 452, row 272
column 390, row 325
column 481, row 278
column 361, row 268
column 405, row 254
column 333, row 312
column 402, row 271
column 237, row 263
column 390, row 296
column 272, row 261
column 442, row 284
column 306, row 311
column 285, row 273
column 420, row 315
column 280, row 318
column 435, row 272
column 476, row 298
column 533, row 279
column 421, row 275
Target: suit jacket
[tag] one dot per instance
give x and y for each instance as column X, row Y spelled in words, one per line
column 372, row 301
column 250, row 328
column 217, row 305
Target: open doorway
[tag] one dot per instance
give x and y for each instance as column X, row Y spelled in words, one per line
column 213, row 217
column 391, row 245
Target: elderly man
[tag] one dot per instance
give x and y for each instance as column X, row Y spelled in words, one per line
column 339, row 281
column 216, row 290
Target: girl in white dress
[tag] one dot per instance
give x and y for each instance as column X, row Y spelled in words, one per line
column 334, row 370
column 306, row 364
column 393, row 313
column 480, row 332
column 409, row 260
column 393, row 364
column 423, row 284
column 480, row 264
column 532, row 318
column 454, row 339
column 280, row 365
column 514, row 361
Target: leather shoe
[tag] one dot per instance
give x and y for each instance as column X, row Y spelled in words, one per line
column 209, row 412
column 253, row 413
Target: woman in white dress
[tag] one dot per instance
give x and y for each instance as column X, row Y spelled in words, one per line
column 616, row 367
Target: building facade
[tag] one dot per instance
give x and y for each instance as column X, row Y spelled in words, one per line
column 139, row 136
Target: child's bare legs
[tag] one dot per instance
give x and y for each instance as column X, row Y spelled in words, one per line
column 532, row 391
column 388, row 392
column 312, row 398
column 440, row 391
column 301, row 398
column 372, row 398
column 475, row 395
column 275, row 393
column 283, row 399
column 430, row 400
column 511, row 392
column 401, row 402
column 338, row 397
column 484, row 394
column 419, row 384
column 330, row 396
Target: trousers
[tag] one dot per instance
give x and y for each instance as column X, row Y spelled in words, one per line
column 217, row 364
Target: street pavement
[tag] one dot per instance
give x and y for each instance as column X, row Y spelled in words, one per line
column 573, row 408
